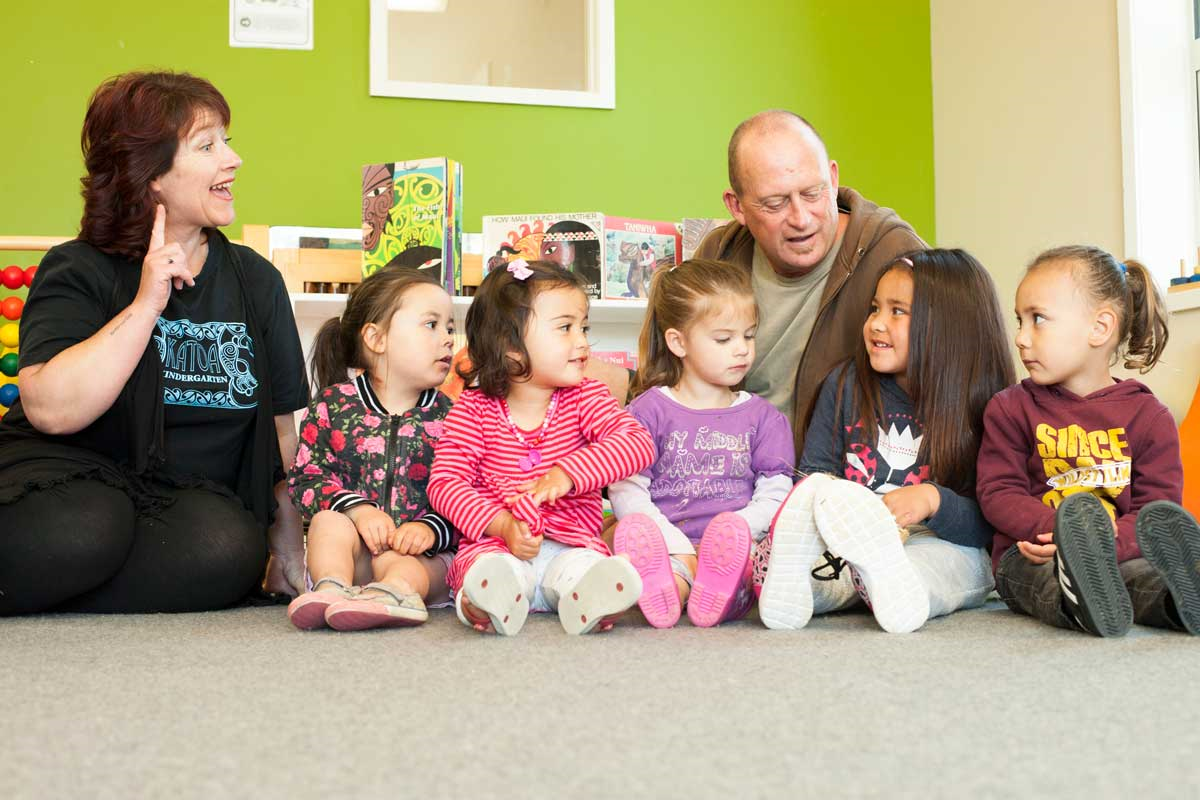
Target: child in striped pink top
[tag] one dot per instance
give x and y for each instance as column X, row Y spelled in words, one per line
column 523, row 456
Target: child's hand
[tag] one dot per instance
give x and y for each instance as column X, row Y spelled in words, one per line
column 1039, row 553
column 412, row 538
column 520, row 542
column 913, row 504
column 374, row 526
column 548, row 488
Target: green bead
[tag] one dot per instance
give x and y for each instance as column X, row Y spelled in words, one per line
column 8, row 364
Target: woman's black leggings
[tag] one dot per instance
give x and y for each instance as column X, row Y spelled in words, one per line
column 81, row 546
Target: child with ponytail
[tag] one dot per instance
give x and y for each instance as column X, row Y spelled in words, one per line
column 365, row 455
column 1080, row 472
column 725, row 456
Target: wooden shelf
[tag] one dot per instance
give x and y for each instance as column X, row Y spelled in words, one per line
column 607, row 312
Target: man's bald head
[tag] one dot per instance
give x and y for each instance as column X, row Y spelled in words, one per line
column 766, row 122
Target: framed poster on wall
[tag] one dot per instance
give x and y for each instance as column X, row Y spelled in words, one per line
column 532, row 52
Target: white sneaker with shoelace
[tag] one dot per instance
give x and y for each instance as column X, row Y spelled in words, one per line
column 858, row 527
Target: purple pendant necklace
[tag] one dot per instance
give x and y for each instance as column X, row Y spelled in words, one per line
column 534, row 457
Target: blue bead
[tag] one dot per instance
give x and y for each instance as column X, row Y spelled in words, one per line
column 9, row 394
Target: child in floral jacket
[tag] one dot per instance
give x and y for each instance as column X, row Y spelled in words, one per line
column 365, row 452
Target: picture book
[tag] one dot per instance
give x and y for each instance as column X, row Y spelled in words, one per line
column 694, row 230
column 633, row 250
column 573, row 241
column 412, row 216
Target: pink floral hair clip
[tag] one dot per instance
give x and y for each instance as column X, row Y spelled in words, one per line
column 519, row 268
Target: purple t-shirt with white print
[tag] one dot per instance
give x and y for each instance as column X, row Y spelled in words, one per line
column 709, row 459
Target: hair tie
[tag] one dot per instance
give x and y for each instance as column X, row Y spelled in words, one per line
column 908, row 261
column 519, row 268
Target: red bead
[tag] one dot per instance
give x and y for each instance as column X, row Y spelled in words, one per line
column 13, row 277
column 11, row 307
column 29, row 273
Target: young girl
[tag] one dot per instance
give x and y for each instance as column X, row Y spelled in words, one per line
column 1073, row 456
column 890, row 454
column 524, row 455
column 364, row 458
column 725, row 456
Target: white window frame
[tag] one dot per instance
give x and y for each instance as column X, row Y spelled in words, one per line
column 601, row 68
column 1195, row 53
column 1160, row 162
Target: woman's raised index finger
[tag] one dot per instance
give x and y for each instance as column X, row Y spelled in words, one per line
column 158, row 234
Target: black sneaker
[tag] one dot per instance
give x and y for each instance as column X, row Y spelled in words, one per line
column 1094, row 595
column 1170, row 540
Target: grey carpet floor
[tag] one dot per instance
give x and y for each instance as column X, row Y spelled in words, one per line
column 239, row 704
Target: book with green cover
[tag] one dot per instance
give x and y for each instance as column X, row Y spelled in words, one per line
column 412, row 216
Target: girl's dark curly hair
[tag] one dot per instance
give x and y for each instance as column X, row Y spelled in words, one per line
column 133, row 127
column 496, row 323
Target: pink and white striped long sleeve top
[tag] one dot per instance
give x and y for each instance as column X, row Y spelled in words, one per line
column 476, row 470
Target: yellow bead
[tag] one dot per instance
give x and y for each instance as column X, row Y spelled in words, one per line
column 9, row 336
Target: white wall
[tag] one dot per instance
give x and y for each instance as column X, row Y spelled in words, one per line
column 1027, row 145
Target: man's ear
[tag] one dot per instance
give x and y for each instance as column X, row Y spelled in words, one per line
column 1104, row 326
column 675, row 342
column 734, row 205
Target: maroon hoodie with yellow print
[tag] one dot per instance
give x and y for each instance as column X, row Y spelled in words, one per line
column 1043, row 443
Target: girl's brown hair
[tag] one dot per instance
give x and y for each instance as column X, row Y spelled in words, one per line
column 339, row 345
column 958, row 358
column 1130, row 288
column 132, row 128
column 678, row 297
column 496, row 323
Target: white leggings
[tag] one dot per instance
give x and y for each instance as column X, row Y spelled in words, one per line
column 553, row 572
column 956, row 576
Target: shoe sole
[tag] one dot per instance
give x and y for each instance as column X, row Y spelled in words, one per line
column 608, row 587
column 638, row 537
column 1170, row 540
column 308, row 613
column 494, row 587
column 721, row 564
column 1083, row 536
column 363, row 615
column 786, row 600
column 858, row 527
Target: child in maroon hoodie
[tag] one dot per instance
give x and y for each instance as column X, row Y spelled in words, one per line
column 1080, row 472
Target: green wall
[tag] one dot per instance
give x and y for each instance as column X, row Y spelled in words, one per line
column 304, row 122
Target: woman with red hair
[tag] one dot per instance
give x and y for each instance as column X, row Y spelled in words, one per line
column 160, row 366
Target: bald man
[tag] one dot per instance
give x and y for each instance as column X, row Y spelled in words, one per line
column 815, row 251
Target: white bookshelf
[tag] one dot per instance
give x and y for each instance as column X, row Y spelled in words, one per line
column 615, row 323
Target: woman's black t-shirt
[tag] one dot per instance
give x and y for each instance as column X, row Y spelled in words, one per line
column 210, row 378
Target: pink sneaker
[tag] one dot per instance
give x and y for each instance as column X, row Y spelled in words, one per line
column 639, row 538
column 307, row 612
column 389, row 608
column 722, row 561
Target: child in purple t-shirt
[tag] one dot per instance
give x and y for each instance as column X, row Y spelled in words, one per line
column 725, row 457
